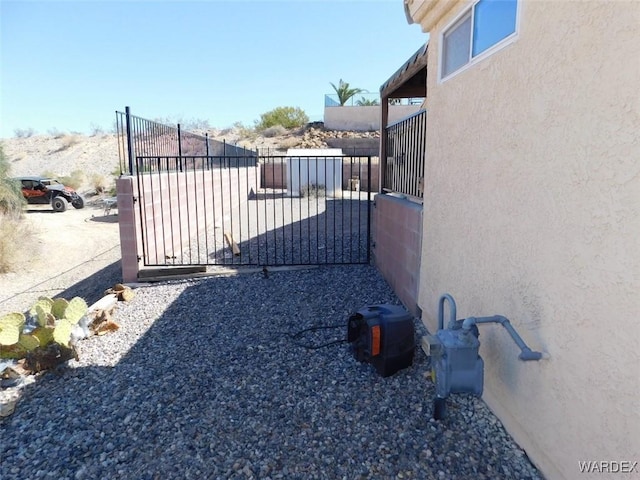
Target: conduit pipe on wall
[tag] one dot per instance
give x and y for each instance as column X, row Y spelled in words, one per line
column 452, row 311
column 526, row 353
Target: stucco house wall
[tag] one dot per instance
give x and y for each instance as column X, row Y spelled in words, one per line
column 532, row 211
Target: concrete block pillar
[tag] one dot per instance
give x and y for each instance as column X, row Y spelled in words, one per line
column 130, row 240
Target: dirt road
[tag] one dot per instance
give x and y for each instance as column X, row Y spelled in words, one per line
column 78, row 253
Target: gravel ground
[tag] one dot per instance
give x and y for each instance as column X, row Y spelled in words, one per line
column 316, row 230
column 203, row 380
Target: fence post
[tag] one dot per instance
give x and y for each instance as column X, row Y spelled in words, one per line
column 179, row 147
column 206, row 139
column 369, row 210
column 127, row 112
column 224, row 153
column 382, row 159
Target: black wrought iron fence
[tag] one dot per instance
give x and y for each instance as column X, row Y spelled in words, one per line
column 189, row 163
column 140, row 137
column 406, row 144
column 281, row 211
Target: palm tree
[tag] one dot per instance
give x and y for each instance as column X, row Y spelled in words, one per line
column 366, row 102
column 344, row 92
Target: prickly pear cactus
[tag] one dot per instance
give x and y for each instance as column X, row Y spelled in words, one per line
column 55, row 319
column 44, row 317
column 28, row 341
column 58, row 308
column 44, row 303
column 9, row 334
column 62, row 332
column 43, row 334
column 76, row 309
column 10, row 328
column 16, row 319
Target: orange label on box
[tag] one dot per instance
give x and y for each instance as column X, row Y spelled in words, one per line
column 375, row 340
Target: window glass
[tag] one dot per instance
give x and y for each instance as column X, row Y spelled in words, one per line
column 494, row 20
column 456, row 46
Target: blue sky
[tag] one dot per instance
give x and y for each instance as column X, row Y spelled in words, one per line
column 70, row 64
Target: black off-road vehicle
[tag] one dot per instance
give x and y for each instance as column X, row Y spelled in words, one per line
column 43, row 191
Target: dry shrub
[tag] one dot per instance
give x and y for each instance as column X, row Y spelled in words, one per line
column 75, row 180
column 274, row 131
column 291, row 142
column 244, row 132
column 11, row 199
column 313, row 190
column 67, row 142
column 55, row 133
column 24, row 132
column 18, row 244
column 100, row 183
column 96, row 129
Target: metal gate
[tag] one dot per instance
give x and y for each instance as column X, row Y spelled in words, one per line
column 244, row 208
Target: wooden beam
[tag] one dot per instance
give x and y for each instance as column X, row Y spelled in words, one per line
column 232, row 244
column 226, row 272
column 171, row 270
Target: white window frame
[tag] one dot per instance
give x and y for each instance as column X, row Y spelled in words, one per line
column 478, row 58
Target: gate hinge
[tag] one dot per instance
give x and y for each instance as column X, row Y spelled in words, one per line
column 135, row 199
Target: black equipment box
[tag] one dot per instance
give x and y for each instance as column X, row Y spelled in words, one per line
column 384, row 336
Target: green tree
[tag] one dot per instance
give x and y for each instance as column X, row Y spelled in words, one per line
column 365, row 102
column 344, row 91
column 11, row 199
column 288, row 117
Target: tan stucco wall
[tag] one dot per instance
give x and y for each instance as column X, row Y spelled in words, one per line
column 364, row 118
column 532, row 211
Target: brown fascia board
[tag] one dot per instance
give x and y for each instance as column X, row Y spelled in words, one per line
column 417, row 64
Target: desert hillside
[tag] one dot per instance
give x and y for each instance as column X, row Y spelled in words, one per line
column 60, row 155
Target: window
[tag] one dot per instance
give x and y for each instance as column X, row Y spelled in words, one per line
column 485, row 25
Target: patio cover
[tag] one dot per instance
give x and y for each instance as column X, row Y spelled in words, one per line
column 410, row 80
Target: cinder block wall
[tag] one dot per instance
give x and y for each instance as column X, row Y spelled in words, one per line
column 398, row 243
column 274, row 175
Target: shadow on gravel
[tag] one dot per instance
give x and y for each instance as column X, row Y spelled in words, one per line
column 104, row 218
column 38, row 210
column 92, row 288
column 337, row 234
column 218, row 388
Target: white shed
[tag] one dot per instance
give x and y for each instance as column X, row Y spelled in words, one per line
column 314, row 167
